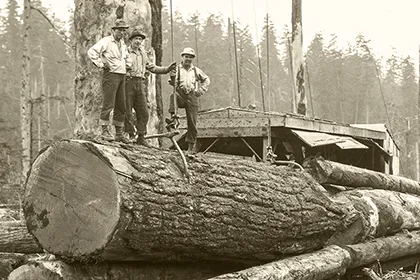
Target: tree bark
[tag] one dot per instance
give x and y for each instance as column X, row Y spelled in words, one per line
column 376, row 213
column 25, row 118
column 385, row 249
column 318, row 265
column 297, row 58
column 332, row 260
column 325, row 171
column 87, row 200
column 58, row 270
column 157, row 113
column 15, row 238
column 93, row 20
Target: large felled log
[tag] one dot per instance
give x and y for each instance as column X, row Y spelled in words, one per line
column 376, row 213
column 89, row 200
column 325, row 171
column 58, row 270
column 15, row 238
column 332, row 260
column 322, row 264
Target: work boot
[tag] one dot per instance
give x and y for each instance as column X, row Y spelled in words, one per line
column 105, row 134
column 170, row 122
column 119, row 135
column 191, row 150
column 142, row 141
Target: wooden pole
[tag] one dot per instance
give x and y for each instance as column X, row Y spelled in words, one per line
column 25, row 92
column 231, row 79
column 289, row 51
column 418, row 125
column 236, row 58
column 59, row 101
column 297, row 58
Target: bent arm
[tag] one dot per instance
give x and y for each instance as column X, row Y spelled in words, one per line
column 157, row 69
column 204, row 79
column 95, row 53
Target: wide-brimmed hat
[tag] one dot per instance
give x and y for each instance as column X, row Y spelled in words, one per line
column 120, row 24
column 189, row 51
column 136, row 33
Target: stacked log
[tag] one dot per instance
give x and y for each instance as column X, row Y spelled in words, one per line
column 325, row 172
column 15, row 238
column 333, row 260
column 376, row 213
column 131, row 211
column 85, row 200
column 59, row 270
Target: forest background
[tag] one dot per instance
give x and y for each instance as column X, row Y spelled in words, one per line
column 346, row 85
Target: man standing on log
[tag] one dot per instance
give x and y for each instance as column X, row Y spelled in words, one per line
column 135, row 87
column 111, row 54
column 190, row 83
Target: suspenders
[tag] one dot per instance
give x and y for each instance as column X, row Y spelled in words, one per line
column 178, row 78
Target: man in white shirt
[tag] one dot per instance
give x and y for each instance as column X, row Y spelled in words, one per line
column 136, row 91
column 111, row 54
column 190, row 83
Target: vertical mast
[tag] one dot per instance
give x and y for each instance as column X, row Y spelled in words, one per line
column 297, row 57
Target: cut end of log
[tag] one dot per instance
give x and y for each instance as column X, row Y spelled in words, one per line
column 72, row 194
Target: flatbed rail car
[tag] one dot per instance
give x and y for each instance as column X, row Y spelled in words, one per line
column 250, row 133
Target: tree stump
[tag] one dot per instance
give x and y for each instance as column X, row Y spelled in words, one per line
column 87, row 200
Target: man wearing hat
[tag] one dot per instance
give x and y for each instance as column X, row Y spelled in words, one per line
column 136, row 90
column 190, row 83
column 110, row 54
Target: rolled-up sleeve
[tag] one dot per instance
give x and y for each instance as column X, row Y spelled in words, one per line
column 95, row 53
column 128, row 60
column 204, row 79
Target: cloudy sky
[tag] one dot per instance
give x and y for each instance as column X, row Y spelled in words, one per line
column 387, row 23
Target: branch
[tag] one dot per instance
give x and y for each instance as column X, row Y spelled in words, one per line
column 63, row 36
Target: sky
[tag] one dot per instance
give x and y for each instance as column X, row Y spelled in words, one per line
column 387, row 23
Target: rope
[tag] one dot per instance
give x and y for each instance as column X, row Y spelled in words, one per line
column 382, row 91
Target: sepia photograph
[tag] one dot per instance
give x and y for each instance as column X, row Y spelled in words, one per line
column 209, row 140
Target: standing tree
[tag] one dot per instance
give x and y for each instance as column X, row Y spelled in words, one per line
column 298, row 67
column 93, row 20
column 25, row 93
column 10, row 79
column 272, row 66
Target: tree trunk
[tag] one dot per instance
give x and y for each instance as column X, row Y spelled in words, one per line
column 93, row 20
column 156, row 114
column 332, row 260
column 325, row 171
column 297, row 57
column 85, row 200
column 15, row 238
column 376, row 213
column 25, row 126
column 385, row 249
column 318, row 265
column 58, row 270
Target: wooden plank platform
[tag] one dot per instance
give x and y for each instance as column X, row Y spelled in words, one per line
column 236, row 122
